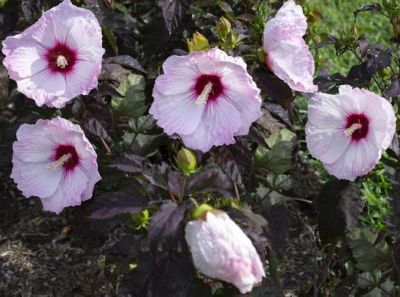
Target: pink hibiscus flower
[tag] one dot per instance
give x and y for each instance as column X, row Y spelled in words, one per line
column 206, row 98
column 287, row 55
column 57, row 58
column 221, row 250
column 349, row 131
column 54, row 161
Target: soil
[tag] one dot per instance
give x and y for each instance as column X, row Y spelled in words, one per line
column 40, row 254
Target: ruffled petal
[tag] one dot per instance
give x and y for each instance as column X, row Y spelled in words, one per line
column 326, row 145
column 358, row 159
column 246, row 100
column 43, row 87
column 25, row 60
column 176, row 114
column 290, row 59
column 35, row 179
column 220, row 122
column 72, row 185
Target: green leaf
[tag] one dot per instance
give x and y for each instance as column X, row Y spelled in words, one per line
column 132, row 100
column 278, row 159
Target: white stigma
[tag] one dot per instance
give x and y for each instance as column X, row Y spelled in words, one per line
column 60, row 162
column 61, row 62
column 203, row 97
column 353, row 128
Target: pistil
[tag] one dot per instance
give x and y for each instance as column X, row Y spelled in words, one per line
column 60, row 162
column 353, row 128
column 205, row 94
column 61, row 62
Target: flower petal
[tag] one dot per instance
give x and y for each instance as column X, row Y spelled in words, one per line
column 358, row 159
column 220, row 122
column 72, row 185
column 176, row 114
column 43, row 87
column 26, row 60
column 291, row 60
column 35, row 179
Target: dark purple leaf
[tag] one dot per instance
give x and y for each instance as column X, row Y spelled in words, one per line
column 278, row 218
column 210, row 180
column 338, row 205
column 279, row 112
column 254, row 225
column 127, row 61
column 235, row 161
column 166, row 228
column 273, row 87
column 113, row 72
column 164, row 177
column 29, row 9
column 94, row 116
column 327, row 41
column 369, row 7
column 111, row 204
column 394, row 148
column 172, row 12
column 329, row 83
column 129, row 164
column 394, row 89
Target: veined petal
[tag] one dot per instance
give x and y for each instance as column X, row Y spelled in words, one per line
column 220, row 122
column 176, row 114
column 35, row 179
column 43, row 87
column 358, row 159
column 72, row 185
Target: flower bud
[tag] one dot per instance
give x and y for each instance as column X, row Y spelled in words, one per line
column 198, row 43
column 223, row 27
column 221, row 250
column 186, row 161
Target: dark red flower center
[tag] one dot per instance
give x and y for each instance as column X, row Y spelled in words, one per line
column 61, row 58
column 212, row 80
column 66, row 156
column 357, row 126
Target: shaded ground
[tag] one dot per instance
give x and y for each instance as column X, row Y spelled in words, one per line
column 41, row 256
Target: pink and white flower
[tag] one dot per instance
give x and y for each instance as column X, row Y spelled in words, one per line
column 287, row 55
column 349, row 131
column 57, row 58
column 206, row 98
column 54, row 161
column 221, row 250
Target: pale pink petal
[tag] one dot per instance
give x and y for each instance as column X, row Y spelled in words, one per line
column 177, row 113
column 220, row 122
column 81, row 80
column 326, row 145
column 72, row 185
column 246, row 100
column 291, row 61
column 35, row 179
column 26, row 60
column 287, row 55
column 180, row 81
column 289, row 17
column 358, row 160
column 222, row 251
column 43, row 87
